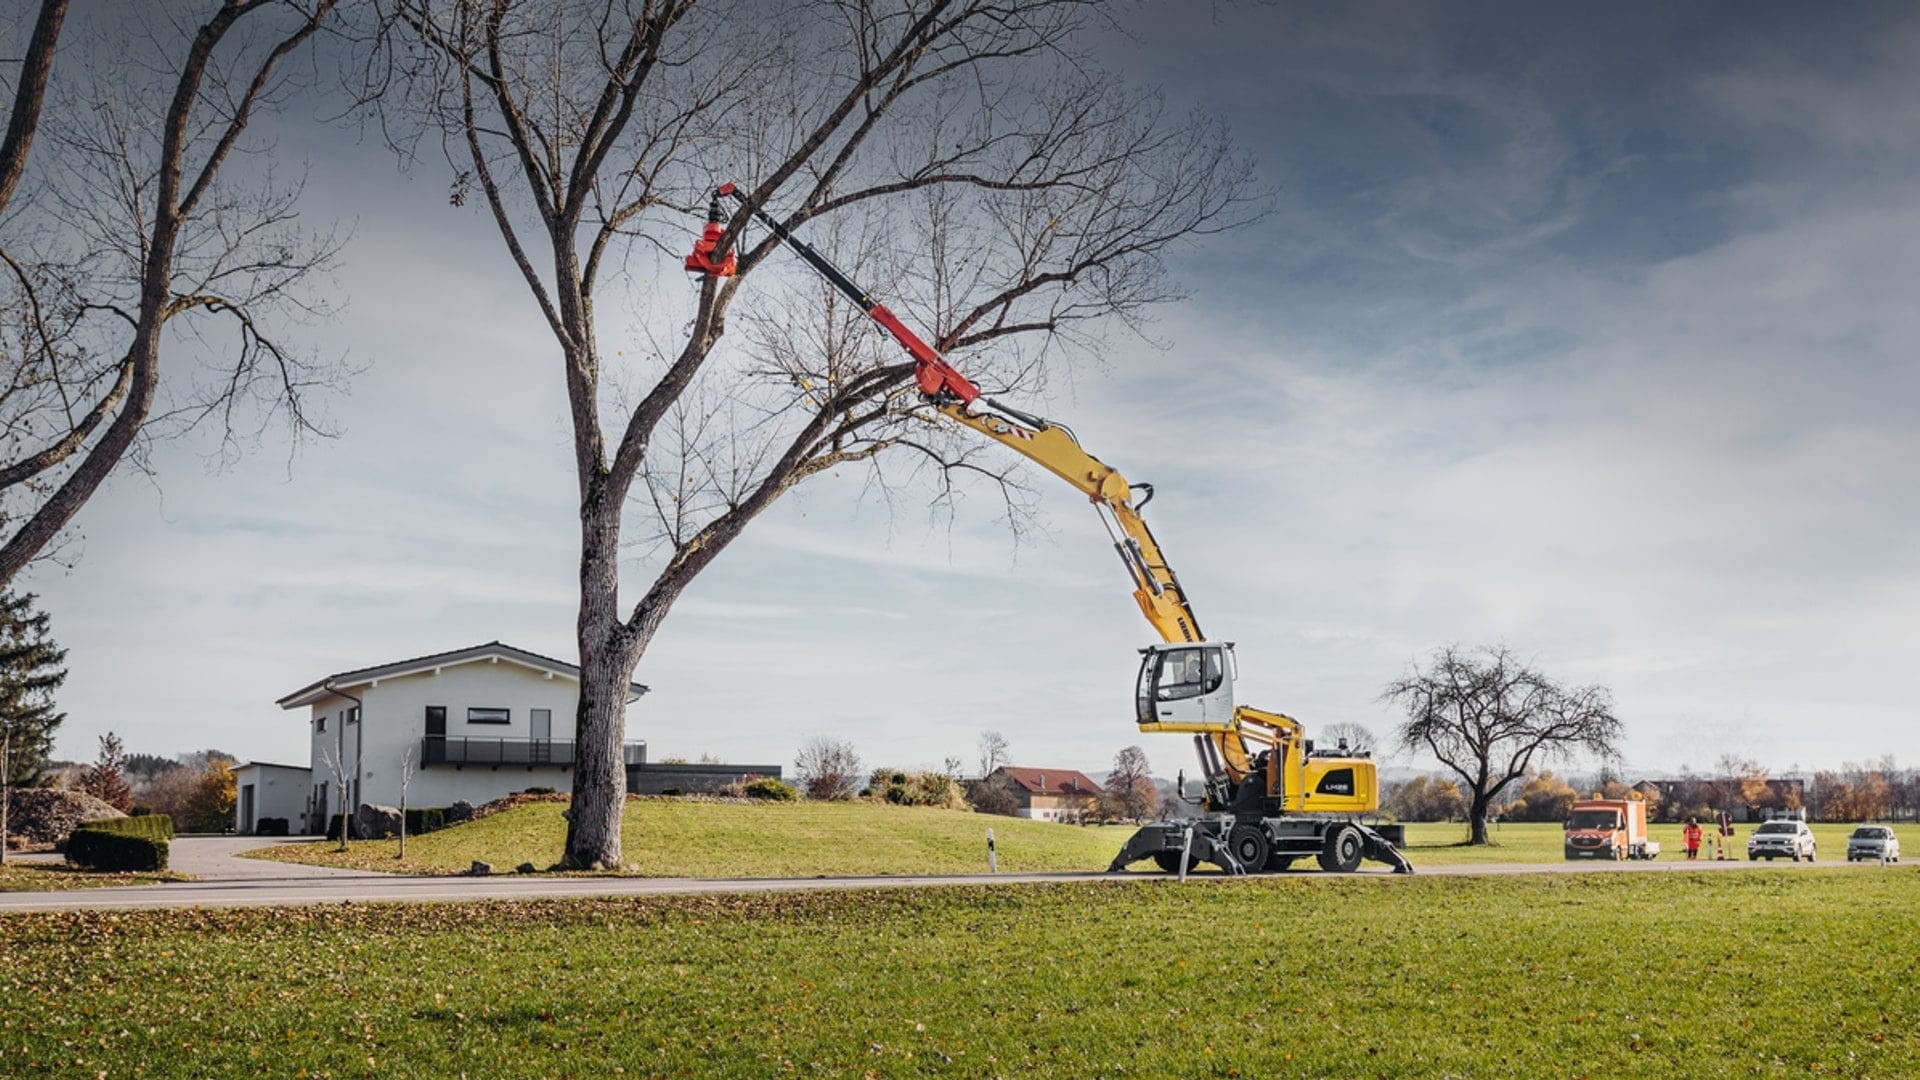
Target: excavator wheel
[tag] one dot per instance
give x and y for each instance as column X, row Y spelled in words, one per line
column 1278, row 864
column 1251, row 847
column 1342, row 850
column 1169, row 861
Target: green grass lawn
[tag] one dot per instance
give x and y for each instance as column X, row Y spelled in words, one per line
column 46, row 877
column 1615, row 975
column 687, row 838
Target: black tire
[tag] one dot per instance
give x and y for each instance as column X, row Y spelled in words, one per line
column 1753, row 858
column 1279, row 864
column 1169, row 861
column 1340, row 854
column 1251, row 847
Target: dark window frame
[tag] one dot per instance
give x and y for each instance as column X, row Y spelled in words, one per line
column 505, row 717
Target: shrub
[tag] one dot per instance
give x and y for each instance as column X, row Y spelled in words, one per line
column 140, row 811
column 768, row 788
column 148, row 826
column 918, row 789
column 47, row 815
column 671, row 791
column 426, row 819
column 828, row 768
column 334, row 825
column 100, row 849
column 270, row 826
column 537, row 791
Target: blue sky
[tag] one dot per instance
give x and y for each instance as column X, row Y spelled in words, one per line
column 1590, row 331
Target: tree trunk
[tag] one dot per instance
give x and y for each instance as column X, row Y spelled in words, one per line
column 1477, row 819
column 606, row 668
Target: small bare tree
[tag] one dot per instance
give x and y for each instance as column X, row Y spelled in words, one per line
column 828, row 768
column 335, row 762
column 1357, row 738
column 993, row 752
column 136, row 231
column 1023, row 197
column 1487, row 716
column 406, row 778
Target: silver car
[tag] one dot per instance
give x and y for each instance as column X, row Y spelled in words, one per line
column 1873, row 842
column 1781, row 838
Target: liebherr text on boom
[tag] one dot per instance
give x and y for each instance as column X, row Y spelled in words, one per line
column 1270, row 796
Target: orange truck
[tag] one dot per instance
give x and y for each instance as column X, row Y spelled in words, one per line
column 1609, row 829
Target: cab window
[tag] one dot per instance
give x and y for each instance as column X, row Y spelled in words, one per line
column 1187, row 673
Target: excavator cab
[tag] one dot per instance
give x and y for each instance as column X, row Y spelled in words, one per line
column 1185, row 686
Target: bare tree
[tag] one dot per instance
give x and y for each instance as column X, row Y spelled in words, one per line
column 994, row 795
column 1487, row 716
column 828, row 768
column 1130, row 785
column 993, row 752
column 406, row 778
column 1356, row 737
column 1036, row 195
column 335, row 762
column 140, row 230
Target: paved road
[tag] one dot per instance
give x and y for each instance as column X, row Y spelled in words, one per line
column 228, row 881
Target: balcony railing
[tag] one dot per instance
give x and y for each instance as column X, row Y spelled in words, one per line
column 476, row 750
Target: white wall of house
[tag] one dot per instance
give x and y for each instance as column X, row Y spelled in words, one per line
column 269, row 791
column 392, row 720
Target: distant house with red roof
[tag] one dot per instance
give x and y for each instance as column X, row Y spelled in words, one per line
column 1049, row 794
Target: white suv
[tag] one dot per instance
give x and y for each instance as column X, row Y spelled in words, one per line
column 1873, row 842
column 1777, row 838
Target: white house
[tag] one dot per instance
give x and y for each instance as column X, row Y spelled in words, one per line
column 266, row 791
column 479, row 723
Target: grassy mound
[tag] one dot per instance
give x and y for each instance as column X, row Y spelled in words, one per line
column 690, row 838
column 1614, row 975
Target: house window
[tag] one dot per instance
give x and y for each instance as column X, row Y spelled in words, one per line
column 320, row 724
column 489, row 716
column 352, row 715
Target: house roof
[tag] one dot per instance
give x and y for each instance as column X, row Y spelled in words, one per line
column 271, row 765
column 491, row 652
column 1050, row 781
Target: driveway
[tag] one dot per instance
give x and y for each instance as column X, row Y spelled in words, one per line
column 217, row 859
column 225, row 880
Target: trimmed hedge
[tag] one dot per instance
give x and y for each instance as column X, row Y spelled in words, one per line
column 425, row 819
column 101, row 849
column 147, row 826
column 271, row 826
column 333, row 826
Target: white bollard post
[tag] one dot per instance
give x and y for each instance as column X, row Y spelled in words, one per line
column 1186, row 852
column 993, row 860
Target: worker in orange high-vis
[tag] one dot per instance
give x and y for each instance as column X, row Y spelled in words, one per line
column 1692, row 835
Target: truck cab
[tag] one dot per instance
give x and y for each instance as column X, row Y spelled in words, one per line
column 1613, row 829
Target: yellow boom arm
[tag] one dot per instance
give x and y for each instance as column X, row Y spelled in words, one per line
column 1156, row 588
